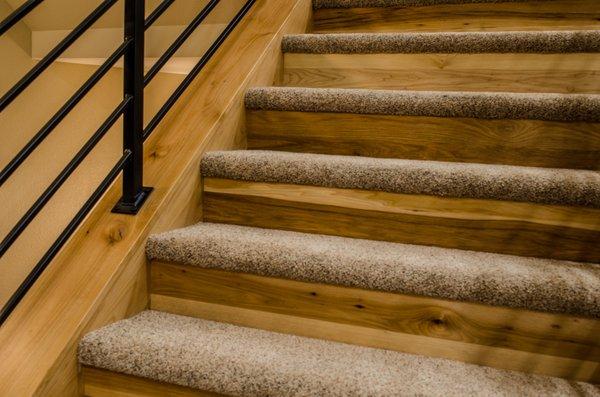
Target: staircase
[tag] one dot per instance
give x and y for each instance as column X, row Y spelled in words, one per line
column 417, row 213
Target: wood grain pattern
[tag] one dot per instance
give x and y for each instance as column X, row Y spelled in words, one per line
column 538, row 15
column 525, row 229
column 552, row 73
column 496, row 336
column 532, row 143
column 96, row 278
column 101, row 383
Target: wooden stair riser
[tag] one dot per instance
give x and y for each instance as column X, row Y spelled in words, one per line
column 551, row 73
column 101, row 383
column 525, row 229
column 535, row 15
column 506, row 338
column 533, row 143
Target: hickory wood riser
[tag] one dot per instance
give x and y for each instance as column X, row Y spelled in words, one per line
column 569, row 233
column 533, row 143
column 101, row 383
column 506, row 338
column 538, row 15
column 548, row 73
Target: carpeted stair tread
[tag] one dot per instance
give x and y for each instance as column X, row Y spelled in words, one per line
column 437, row 178
column 317, row 4
column 241, row 361
column 500, row 280
column 546, row 42
column 481, row 105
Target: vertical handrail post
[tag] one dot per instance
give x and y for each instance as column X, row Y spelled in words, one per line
column 134, row 193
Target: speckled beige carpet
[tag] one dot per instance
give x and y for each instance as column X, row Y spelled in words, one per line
column 242, row 361
column 482, row 105
column 547, row 42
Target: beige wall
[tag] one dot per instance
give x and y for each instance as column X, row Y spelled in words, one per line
column 24, row 117
column 28, row 113
column 102, row 42
column 66, row 14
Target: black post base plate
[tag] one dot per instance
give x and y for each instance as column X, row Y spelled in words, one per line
column 132, row 208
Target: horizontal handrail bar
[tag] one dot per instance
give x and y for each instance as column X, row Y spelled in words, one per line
column 197, row 69
column 62, row 113
column 157, row 12
column 54, row 53
column 62, row 238
column 179, row 41
column 62, row 177
column 17, row 15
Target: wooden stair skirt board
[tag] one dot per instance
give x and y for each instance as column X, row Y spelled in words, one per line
column 553, row 73
column 102, row 383
column 537, row 15
column 536, row 342
column 570, row 233
column 534, row 143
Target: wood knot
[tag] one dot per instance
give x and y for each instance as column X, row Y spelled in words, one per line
column 158, row 152
column 116, row 234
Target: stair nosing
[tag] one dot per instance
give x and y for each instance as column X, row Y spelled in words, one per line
column 456, row 104
column 529, row 42
column 550, row 186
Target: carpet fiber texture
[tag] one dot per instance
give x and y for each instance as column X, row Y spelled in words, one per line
column 444, row 42
column 482, row 105
column 503, row 280
column 400, row 3
column 445, row 179
column 242, row 361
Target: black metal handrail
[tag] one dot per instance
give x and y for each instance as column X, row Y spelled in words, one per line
column 62, row 113
column 187, row 32
column 196, row 69
column 131, row 109
column 158, row 11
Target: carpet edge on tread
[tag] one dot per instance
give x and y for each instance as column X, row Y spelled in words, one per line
column 531, row 42
column 501, row 280
column 444, row 179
